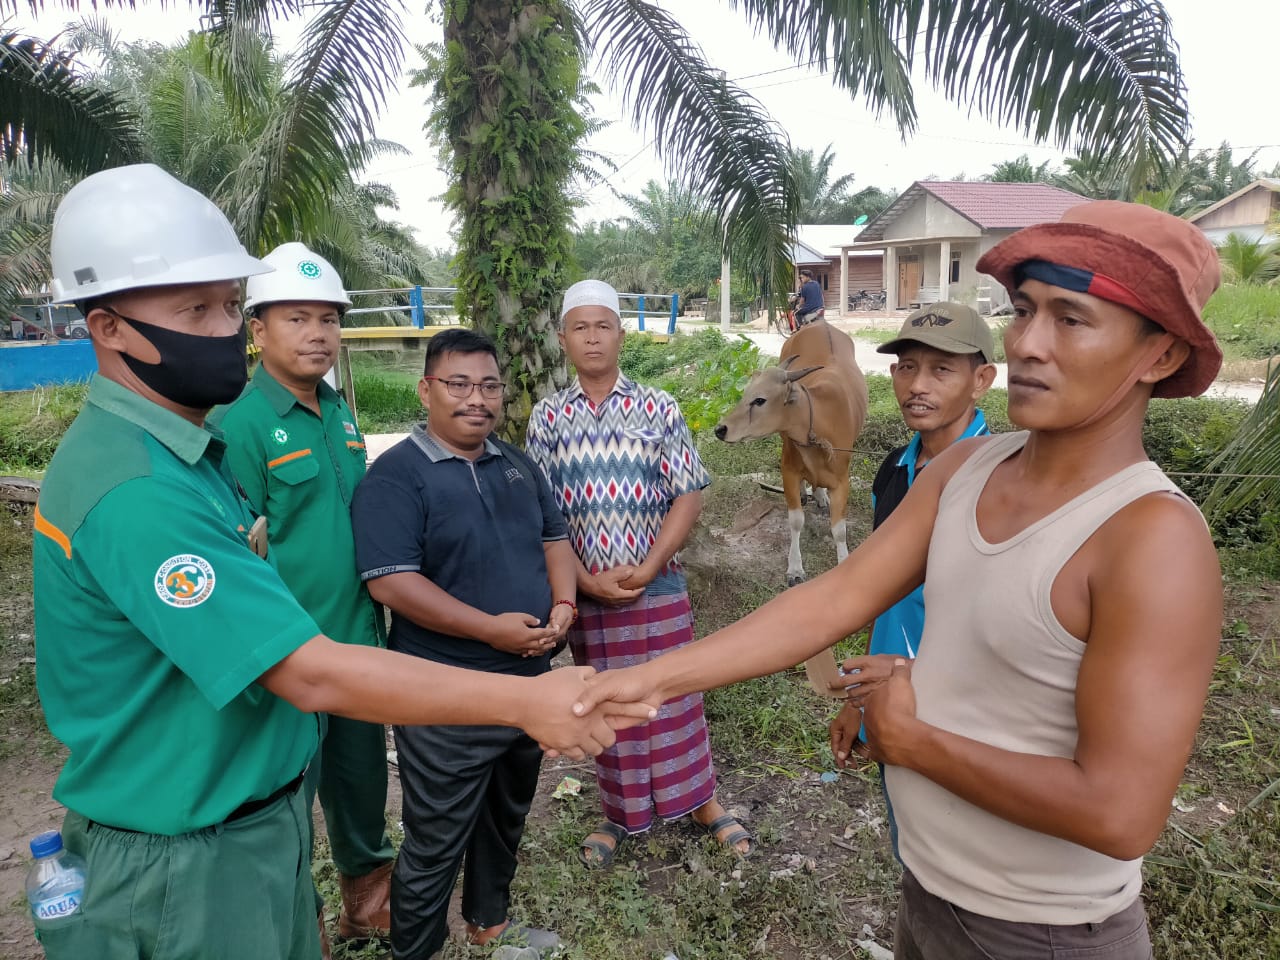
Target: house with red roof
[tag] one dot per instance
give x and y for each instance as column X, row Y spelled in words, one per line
column 935, row 231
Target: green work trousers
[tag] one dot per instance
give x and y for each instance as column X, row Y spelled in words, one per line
column 230, row 892
column 349, row 773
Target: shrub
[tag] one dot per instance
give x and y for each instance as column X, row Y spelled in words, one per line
column 385, row 404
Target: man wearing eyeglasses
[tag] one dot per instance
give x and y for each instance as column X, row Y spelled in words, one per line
column 458, row 534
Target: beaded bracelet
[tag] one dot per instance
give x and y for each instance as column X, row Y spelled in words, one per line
column 571, row 605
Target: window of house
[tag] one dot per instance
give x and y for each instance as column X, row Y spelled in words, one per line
column 955, row 268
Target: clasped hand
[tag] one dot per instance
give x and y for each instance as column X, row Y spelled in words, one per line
column 523, row 633
column 569, row 715
column 619, row 586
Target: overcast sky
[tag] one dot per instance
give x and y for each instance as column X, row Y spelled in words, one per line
column 1228, row 50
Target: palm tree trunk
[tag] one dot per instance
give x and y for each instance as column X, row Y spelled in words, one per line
column 509, row 104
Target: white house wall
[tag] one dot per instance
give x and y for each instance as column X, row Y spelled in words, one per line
column 930, row 217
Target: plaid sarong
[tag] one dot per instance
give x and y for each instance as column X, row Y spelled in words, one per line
column 662, row 766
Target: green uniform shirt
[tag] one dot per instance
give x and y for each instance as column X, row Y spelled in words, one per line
column 299, row 471
column 153, row 621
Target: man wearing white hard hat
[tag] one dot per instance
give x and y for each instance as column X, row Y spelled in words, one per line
column 293, row 444
column 623, row 466
column 171, row 659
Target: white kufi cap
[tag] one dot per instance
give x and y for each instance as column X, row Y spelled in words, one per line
column 590, row 293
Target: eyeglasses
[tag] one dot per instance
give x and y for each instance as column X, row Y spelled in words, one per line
column 489, row 389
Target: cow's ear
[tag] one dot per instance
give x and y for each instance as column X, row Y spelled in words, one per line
column 803, row 372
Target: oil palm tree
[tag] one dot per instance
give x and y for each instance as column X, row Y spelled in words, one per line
column 820, row 196
column 1246, row 260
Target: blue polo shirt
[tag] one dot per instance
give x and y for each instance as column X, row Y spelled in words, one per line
column 811, row 292
column 475, row 529
column 898, row 630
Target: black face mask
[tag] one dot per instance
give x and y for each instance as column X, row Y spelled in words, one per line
column 194, row 371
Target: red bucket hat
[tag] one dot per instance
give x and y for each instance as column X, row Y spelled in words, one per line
column 1152, row 262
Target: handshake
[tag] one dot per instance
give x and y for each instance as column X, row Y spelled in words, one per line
column 575, row 711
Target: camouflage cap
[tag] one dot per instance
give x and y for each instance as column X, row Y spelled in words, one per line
column 945, row 326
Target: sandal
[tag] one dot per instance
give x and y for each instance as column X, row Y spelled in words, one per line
column 596, row 854
column 735, row 837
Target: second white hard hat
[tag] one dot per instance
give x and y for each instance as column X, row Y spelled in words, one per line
column 300, row 274
column 136, row 226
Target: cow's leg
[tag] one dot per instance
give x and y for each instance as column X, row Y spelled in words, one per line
column 839, row 504
column 792, row 487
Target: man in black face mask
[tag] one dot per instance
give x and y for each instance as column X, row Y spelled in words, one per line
column 172, row 660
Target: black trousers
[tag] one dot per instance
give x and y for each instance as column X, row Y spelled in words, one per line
column 467, row 791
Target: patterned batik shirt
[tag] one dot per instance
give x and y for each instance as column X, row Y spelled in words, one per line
column 615, row 470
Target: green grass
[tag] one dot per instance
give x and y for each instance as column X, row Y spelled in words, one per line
column 1246, row 320
column 32, row 423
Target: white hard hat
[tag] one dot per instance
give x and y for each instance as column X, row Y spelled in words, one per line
column 590, row 293
column 136, row 226
column 299, row 275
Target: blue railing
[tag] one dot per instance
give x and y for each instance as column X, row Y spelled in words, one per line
column 667, row 305
column 644, row 307
column 417, row 307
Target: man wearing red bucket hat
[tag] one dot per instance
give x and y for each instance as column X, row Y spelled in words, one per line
column 1074, row 610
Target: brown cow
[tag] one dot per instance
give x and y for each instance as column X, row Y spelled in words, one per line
column 816, row 397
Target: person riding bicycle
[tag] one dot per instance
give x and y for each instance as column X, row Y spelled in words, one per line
column 810, row 305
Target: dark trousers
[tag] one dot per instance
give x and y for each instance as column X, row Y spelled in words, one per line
column 467, row 791
column 349, row 773
column 930, row 928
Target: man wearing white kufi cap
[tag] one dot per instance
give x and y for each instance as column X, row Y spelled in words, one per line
column 628, row 477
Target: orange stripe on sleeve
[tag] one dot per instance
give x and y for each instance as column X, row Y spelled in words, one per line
column 355, row 445
column 287, row 457
column 53, row 533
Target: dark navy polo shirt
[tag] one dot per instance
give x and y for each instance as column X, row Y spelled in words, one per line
column 475, row 529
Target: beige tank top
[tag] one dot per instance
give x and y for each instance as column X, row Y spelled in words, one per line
column 996, row 666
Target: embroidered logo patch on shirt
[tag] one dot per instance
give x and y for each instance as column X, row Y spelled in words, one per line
column 280, row 435
column 349, row 427
column 185, row 580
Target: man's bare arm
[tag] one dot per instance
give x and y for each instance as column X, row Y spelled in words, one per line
column 1155, row 623
column 380, row 686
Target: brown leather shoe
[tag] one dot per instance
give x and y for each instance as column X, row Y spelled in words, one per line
column 366, row 905
column 325, row 952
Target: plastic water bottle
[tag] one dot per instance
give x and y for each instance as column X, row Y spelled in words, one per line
column 55, row 883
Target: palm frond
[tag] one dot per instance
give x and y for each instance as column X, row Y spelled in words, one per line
column 350, row 58
column 1251, row 461
column 28, row 201
column 50, row 111
column 715, row 138
column 1103, row 77
column 858, row 43
column 1099, row 76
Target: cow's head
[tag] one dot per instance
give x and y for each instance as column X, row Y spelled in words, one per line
column 768, row 405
